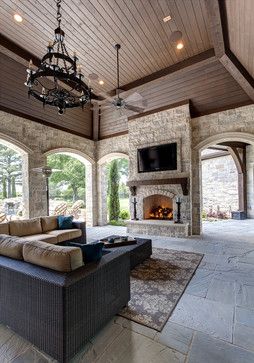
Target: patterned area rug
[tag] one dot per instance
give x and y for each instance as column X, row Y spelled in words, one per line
column 157, row 284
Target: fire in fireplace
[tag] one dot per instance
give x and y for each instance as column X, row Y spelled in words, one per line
column 161, row 213
column 158, row 206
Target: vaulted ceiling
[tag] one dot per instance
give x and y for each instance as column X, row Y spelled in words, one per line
column 213, row 71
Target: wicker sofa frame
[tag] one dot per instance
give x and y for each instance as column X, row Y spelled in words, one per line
column 60, row 312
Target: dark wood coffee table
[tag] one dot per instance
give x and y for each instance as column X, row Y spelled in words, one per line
column 138, row 252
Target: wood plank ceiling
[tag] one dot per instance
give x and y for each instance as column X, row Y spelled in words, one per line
column 92, row 27
column 149, row 62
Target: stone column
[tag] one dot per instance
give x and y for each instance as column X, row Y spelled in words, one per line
column 91, row 195
column 196, row 198
column 102, row 194
column 34, row 186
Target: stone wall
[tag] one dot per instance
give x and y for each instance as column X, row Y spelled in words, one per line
column 107, row 150
column 231, row 125
column 219, row 184
column 168, row 126
column 35, row 140
column 172, row 125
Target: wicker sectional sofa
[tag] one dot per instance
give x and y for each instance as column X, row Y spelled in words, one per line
column 59, row 311
column 44, row 229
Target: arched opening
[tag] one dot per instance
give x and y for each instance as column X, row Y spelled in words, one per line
column 13, row 182
column 70, row 185
column 113, row 192
column 225, row 178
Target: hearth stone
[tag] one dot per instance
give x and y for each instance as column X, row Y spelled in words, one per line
column 158, row 228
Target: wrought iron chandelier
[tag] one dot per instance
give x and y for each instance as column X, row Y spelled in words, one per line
column 67, row 88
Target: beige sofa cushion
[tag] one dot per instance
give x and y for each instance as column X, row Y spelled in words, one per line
column 25, row 227
column 11, row 246
column 48, row 223
column 42, row 237
column 4, row 228
column 59, row 258
column 65, row 234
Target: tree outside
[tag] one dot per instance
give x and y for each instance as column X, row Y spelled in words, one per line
column 68, row 182
column 10, row 180
column 118, row 192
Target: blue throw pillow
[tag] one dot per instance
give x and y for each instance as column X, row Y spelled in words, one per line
column 91, row 252
column 64, row 222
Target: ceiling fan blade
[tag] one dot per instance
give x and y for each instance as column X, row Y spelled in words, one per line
column 134, row 108
column 134, row 97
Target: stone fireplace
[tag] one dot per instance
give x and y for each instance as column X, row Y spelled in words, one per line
column 154, row 192
column 158, row 207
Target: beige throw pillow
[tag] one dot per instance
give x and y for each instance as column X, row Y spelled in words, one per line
column 59, row 258
column 25, row 227
column 11, row 246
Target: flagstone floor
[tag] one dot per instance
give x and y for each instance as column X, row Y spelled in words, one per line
column 212, row 323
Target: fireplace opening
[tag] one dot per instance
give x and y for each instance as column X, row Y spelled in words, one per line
column 158, row 207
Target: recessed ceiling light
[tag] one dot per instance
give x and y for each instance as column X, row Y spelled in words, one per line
column 18, row 18
column 167, row 18
column 101, row 82
column 179, row 45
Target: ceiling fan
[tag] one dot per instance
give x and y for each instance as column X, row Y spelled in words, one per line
column 133, row 102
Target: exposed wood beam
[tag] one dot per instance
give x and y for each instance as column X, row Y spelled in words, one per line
column 219, row 33
column 216, row 33
column 234, row 144
column 217, row 148
column 239, row 73
column 18, row 50
column 191, row 63
column 215, row 155
column 96, row 117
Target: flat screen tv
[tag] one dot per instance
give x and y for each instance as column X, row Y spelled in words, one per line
column 157, row 158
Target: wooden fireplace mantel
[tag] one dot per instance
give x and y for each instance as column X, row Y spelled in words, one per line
column 183, row 181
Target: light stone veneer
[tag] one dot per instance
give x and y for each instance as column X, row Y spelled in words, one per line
column 193, row 135
column 33, row 140
column 160, row 128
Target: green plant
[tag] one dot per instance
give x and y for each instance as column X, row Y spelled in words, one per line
column 114, row 203
column 204, row 214
column 124, row 214
column 117, row 223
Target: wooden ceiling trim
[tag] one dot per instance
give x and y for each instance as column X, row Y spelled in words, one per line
column 231, row 106
column 190, row 63
column 21, row 52
column 218, row 23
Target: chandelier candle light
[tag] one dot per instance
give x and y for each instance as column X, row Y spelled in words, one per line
column 58, row 66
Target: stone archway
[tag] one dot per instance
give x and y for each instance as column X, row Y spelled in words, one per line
column 91, row 201
column 102, row 184
column 196, row 192
column 25, row 154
